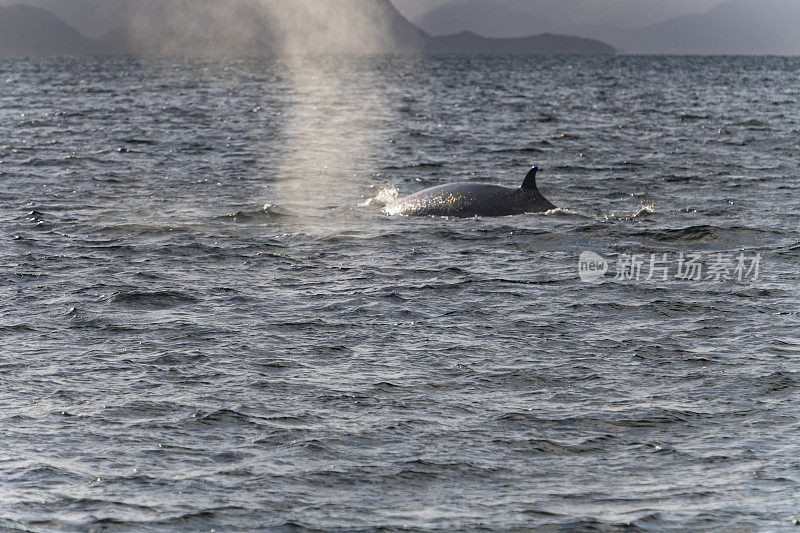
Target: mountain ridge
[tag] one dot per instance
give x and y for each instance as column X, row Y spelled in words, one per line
column 735, row 27
column 732, row 27
column 250, row 28
column 470, row 43
column 26, row 30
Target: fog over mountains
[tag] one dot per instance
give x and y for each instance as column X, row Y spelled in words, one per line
column 506, row 18
column 254, row 27
column 210, row 28
column 632, row 26
column 25, row 30
column 234, row 27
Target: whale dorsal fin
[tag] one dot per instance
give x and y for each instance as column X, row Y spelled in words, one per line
column 530, row 180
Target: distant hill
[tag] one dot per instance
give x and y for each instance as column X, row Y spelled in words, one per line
column 709, row 27
column 91, row 18
column 514, row 18
column 471, row 43
column 30, row 31
column 484, row 18
column 765, row 27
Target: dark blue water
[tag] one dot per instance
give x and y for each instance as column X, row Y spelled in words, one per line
column 208, row 323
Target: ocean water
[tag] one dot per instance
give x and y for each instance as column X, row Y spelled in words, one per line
column 208, row 324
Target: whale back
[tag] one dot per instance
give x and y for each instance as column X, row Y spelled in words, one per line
column 473, row 199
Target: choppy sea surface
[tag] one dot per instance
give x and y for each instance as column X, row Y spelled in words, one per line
column 208, row 324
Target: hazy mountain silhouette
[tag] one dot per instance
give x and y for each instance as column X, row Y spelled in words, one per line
column 635, row 26
column 246, row 28
column 30, row 31
column 224, row 27
column 91, row 18
column 765, row 27
column 546, row 43
column 512, row 18
column 484, row 18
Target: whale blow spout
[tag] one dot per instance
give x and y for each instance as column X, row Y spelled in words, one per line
column 467, row 200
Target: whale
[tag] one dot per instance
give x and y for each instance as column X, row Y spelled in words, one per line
column 467, row 200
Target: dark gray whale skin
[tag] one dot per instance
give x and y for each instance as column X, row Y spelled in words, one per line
column 467, row 200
